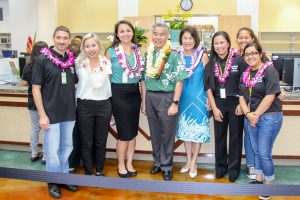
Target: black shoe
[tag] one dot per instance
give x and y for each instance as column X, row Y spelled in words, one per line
column 38, row 156
column 43, row 162
column 256, row 182
column 232, row 178
column 123, row 175
column 72, row 188
column 54, row 190
column 167, row 175
column 132, row 174
column 100, row 174
column 220, row 175
column 155, row 170
column 264, row 197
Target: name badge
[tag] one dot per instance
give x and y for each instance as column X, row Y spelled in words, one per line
column 223, row 93
column 124, row 78
column 63, row 78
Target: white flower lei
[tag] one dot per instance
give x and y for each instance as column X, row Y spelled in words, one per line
column 153, row 69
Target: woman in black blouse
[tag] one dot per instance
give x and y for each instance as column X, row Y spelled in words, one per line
column 222, row 83
column 260, row 104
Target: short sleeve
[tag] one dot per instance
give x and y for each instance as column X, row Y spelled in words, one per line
column 38, row 76
column 272, row 81
column 180, row 72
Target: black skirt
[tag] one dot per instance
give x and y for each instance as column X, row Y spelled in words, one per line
column 126, row 103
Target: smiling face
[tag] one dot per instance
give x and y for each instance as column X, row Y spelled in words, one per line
column 221, row 46
column 244, row 38
column 61, row 41
column 91, row 48
column 125, row 33
column 253, row 57
column 159, row 37
column 188, row 42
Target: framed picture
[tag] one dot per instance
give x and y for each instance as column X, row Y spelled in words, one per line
column 1, row 14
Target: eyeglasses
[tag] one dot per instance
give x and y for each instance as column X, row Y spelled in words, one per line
column 253, row 53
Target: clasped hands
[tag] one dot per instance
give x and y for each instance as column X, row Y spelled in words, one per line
column 253, row 118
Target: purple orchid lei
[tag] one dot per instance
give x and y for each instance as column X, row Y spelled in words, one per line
column 196, row 58
column 61, row 64
column 222, row 78
column 137, row 69
column 246, row 78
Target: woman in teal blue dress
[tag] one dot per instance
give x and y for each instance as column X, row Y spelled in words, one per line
column 193, row 126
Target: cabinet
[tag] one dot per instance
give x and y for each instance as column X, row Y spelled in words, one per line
column 5, row 41
column 280, row 42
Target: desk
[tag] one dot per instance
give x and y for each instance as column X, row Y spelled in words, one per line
column 15, row 126
column 6, row 74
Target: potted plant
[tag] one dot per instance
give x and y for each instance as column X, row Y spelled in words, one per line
column 177, row 21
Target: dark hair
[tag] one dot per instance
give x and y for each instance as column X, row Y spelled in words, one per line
column 78, row 36
column 251, row 33
column 75, row 48
column 36, row 51
column 209, row 69
column 116, row 40
column 194, row 33
column 62, row 28
column 258, row 48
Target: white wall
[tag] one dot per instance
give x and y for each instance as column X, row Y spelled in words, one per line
column 249, row 7
column 128, row 8
column 5, row 24
column 47, row 19
column 23, row 22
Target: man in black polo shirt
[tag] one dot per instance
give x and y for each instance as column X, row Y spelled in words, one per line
column 53, row 89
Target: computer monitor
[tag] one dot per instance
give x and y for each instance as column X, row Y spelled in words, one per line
column 288, row 71
column 278, row 61
column 10, row 53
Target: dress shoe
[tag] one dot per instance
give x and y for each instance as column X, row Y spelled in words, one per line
column 100, row 174
column 220, row 175
column 72, row 188
column 193, row 174
column 232, row 178
column 37, row 157
column 132, row 174
column 256, row 182
column 167, row 175
column 184, row 170
column 43, row 162
column 155, row 170
column 126, row 175
column 54, row 190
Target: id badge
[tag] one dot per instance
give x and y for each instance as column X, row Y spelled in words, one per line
column 124, row 78
column 63, row 78
column 223, row 93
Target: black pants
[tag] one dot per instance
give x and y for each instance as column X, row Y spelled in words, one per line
column 93, row 120
column 228, row 162
column 74, row 158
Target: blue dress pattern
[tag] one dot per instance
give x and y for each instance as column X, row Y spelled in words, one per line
column 193, row 122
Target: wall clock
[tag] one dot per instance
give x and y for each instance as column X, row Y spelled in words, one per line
column 186, row 5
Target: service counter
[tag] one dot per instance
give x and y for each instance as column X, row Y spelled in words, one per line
column 15, row 126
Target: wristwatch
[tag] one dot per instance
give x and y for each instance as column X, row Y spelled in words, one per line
column 175, row 102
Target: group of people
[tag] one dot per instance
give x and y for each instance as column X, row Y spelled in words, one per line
column 175, row 89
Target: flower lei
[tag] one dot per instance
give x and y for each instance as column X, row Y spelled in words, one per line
column 136, row 71
column 154, row 70
column 222, row 78
column 55, row 60
column 246, row 76
column 196, row 58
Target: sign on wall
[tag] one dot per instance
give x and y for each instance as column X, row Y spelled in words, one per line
column 1, row 14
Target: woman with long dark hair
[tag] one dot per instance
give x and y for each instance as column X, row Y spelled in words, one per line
column 34, row 116
column 222, row 83
column 125, row 56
